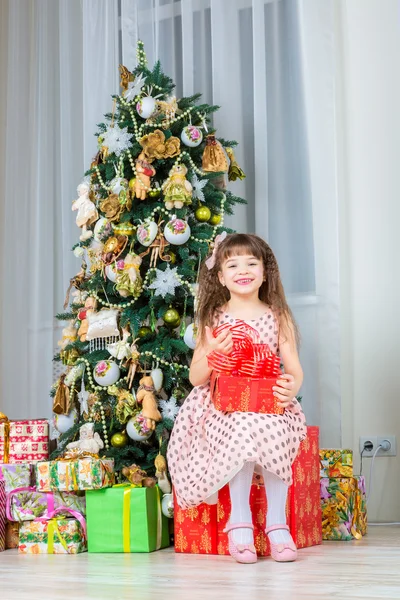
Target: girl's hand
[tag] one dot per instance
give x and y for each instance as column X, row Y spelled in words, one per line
column 223, row 343
column 283, row 390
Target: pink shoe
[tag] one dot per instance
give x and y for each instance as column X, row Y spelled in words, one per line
column 282, row 552
column 242, row 553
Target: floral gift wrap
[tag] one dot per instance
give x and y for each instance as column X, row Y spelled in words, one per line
column 344, row 508
column 16, row 476
column 26, row 504
column 336, row 462
column 88, row 473
column 56, row 536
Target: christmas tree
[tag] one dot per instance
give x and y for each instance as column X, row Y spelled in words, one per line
column 149, row 208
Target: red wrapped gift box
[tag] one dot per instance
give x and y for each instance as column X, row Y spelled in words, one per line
column 195, row 529
column 24, row 441
column 199, row 530
column 244, row 394
column 305, row 502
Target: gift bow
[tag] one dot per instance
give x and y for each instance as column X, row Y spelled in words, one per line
column 249, row 358
column 210, row 262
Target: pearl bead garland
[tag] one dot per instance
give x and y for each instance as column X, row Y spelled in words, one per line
column 176, row 366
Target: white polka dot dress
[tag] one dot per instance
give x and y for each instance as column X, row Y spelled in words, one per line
column 208, row 447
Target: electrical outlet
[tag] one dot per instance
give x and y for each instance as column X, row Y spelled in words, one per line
column 372, row 442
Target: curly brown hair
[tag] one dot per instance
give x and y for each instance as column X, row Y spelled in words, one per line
column 212, row 295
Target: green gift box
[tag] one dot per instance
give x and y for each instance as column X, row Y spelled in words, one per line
column 126, row 519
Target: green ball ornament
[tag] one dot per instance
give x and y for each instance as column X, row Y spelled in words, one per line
column 154, row 193
column 215, row 220
column 173, row 256
column 132, row 183
column 203, row 214
column 143, row 331
column 171, row 318
column 119, row 440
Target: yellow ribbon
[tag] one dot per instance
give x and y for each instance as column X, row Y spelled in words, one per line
column 52, row 528
column 4, row 419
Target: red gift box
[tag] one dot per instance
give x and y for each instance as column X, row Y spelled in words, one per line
column 305, row 501
column 195, row 529
column 24, row 441
column 199, row 530
column 242, row 381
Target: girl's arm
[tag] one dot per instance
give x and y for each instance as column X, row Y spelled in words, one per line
column 199, row 370
column 289, row 383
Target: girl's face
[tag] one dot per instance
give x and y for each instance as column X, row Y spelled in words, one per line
column 243, row 275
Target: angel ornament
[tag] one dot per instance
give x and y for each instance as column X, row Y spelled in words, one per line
column 129, row 281
column 121, row 349
column 89, row 440
column 87, row 211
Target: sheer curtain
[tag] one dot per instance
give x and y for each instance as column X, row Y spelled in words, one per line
column 269, row 64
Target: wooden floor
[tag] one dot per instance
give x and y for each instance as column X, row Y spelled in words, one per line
column 366, row 569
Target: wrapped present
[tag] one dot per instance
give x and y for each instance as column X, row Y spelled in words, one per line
column 26, row 504
column 126, row 518
column 12, row 535
column 53, row 536
column 336, row 462
column 344, row 508
column 305, row 506
column 195, row 529
column 16, row 476
column 23, row 441
column 243, row 380
column 258, row 505
column 2, row 516
column 88, row 473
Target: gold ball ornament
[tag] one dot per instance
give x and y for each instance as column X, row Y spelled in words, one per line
column 171, row 318
column 215, row 220
column 154, row 193
column 203, row 214
column 119, row 440
column 132, row 183
column 143, row 331
column 172, row 256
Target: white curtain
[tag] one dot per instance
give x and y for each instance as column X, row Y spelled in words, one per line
column 269, row 64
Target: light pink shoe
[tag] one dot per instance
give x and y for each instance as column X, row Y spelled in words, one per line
column 242, row 553
column 282, row 552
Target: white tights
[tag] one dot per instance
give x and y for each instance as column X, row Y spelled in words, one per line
column 276, row 491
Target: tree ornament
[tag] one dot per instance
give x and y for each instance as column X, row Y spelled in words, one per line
column 132, row 183
column 61, row 402
column 215, row 160
column 64, row 422
column 155, row 193
column 169, row 408
column 161, row 473
column 172, row 256
column 113, row 248
column 138, row 477
column 191, row 136
column 87, row 211
column 146, row 106
column 190, row 336
column 157, row 377
column 103, row 328
column 137, row 428
column 134, row 88
column 198, row 186
column 126, row 78
column 106, row 372
column 144, row 171
column 203, row 214
column 143, row 331
column 215, row 220
column 83, row 397
column 74, row 374
column 146, row 233
column 235, row 172
column 167, row 506
column 118, row 185
column 126, row 403
column 156, row 146
column 69, row 335
column 111, row 272
column 89, row 441
column 177, row 189
column 102, row 229
column 119, row 440
column 165, row 281
column 129, row 280
column 171, row 318
column 145, row 396
column 167, row 108
column 177, row 231
column 116, row 140
column 124, row 228
column 83, row 316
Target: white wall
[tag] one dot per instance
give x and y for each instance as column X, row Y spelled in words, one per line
column 369, row 168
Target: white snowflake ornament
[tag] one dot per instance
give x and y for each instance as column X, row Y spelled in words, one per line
column 165, row 282
column 134, row 88
column 116, row 139
column 169, row 408
column 198, row 185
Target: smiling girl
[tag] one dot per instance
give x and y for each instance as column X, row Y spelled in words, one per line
column 208, row 447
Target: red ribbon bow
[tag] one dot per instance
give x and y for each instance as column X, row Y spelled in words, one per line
column 249, row 358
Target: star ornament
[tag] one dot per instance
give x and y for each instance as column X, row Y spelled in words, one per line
column 165, row 282
column 169, row 408
column 198, row 185
column 116, row 139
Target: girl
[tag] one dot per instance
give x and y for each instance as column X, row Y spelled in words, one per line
column 209, row 448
